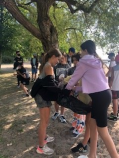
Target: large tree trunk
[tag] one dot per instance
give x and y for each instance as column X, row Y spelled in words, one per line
column 49, row 36
column 46, row 33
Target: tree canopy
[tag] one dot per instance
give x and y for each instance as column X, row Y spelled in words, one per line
column 65, row 23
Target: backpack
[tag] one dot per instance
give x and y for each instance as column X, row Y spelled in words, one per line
column 35, row 88
column 73, row 104
column 27, row 74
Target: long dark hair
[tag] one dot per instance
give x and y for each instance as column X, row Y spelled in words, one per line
column 89, row 45
column 54, row 51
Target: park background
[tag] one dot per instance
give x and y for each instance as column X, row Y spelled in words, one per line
column 34, row 27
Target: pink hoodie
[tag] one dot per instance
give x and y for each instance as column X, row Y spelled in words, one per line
column 89, row 69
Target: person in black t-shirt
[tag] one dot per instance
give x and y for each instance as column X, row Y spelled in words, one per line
column 60, row 69
column 75, row 60
column 70, row 54
column 23, row 77
column 17, row 60
column 34, row 67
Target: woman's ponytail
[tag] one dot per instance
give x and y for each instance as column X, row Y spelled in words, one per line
column 48, row 55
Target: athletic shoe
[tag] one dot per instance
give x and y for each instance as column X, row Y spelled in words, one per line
column 48, row 139
column 84, row 156
column 55, row 116
column 79, row 148
column 45, row 150
column 74, row 135
column 112, row 114
column 62, row 119
column 74, row 119
column 112, row 118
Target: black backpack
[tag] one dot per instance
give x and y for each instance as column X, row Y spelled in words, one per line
column 73, row 104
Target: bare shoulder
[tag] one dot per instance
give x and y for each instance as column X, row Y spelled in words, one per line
column 49, row 70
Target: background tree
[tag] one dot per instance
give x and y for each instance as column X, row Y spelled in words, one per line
column 92, row 18
column 47, row 33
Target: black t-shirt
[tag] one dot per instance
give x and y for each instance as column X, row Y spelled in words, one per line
column 22, row 70
column 71, row 70
column 18, row 60
column 61, row 69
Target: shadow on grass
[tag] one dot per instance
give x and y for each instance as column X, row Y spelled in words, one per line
column 19, row 120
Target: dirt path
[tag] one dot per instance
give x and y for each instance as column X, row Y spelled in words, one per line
column 9, row 67
column 19, row 120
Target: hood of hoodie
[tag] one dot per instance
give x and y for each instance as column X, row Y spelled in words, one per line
column 91, row 61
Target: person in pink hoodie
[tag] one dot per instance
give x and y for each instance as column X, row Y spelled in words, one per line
column 94, row 83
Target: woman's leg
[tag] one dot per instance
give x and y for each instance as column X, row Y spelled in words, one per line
column 93, row 137
column 87, row 131
column 62, row 110
column 44, row 120
column 32, row 75
column 56, row 107
column 24, row 88
column 115, row 106
column 35, row 75
column 104, row 134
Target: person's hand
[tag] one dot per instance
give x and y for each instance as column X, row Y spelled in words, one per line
column 74, row 88
column 72, row 93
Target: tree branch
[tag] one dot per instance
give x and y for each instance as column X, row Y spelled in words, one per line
column 32, row 1
column 80, row 6
column 72, row 28
column 16, row 13
column 24, row 7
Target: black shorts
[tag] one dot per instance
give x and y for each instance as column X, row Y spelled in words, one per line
column 100, row 103
column 24, row 81
column 115, row 94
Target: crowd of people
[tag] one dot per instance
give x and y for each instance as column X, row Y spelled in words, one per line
column 81, row 76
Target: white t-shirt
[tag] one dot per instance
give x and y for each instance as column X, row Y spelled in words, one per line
column 115, row 84
column 112, row 64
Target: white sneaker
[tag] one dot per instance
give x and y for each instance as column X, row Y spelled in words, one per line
column 84, row 156
column 62, row 119
column 45, row 150
column 55, row 116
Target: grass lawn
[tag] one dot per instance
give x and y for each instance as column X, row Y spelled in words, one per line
column 19, row 120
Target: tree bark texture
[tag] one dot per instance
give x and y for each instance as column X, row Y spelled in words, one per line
column 49, row 36
column 46, row 33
